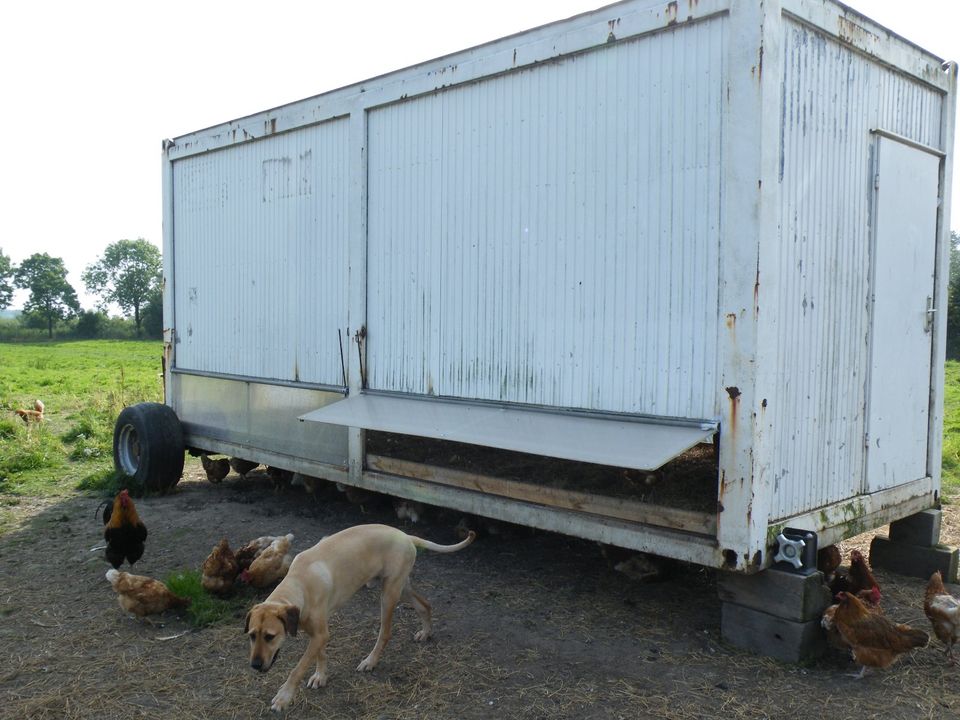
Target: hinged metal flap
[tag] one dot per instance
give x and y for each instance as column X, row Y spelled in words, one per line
column 639, row 444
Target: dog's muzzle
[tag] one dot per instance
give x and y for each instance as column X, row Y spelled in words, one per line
column 258, row 664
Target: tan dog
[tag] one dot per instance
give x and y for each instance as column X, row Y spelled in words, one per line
column 322, row 579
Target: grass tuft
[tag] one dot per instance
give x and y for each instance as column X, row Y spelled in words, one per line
column 8, row 429
column 108, row 482
column 205, row 609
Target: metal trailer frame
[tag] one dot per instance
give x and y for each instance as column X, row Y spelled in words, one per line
column 260, row 418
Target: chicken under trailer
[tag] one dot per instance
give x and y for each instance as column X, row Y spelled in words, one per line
column 608, row 240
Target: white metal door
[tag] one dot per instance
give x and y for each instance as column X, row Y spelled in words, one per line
column 905, row 232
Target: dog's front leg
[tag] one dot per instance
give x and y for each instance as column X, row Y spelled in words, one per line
column 319, row 678
column 286, row 692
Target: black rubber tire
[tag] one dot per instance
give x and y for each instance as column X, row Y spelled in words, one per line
column 148, row 446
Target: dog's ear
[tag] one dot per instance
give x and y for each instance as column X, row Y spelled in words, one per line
column 246, row 624
column 291, row 620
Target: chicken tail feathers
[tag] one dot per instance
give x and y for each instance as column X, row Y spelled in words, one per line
column 107, row 507
column 916, row 638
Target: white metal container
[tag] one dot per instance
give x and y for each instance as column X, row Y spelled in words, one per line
column 604, row 239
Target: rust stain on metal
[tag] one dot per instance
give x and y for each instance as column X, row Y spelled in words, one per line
column 734, row 393
column 612, row 24
column 166, row 361
column 729, row 558
column 756, row 292
column 855, row 34
column 672, row 13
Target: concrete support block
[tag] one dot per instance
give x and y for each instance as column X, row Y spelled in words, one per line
column 914, row 560
column 798, row 598
column 922, row 528
column 773, row 636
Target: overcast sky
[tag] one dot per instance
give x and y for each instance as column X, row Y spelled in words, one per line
column 91, row 89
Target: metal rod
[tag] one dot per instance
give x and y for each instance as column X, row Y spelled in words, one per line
column 343, row 368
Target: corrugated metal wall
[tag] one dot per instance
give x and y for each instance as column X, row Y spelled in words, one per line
column 260, row 268
column 551, row 236
column 833, row 97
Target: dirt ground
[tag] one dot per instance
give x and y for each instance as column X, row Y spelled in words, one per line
column 526, row 626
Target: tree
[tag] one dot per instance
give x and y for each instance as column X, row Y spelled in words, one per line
column 6, row 274
column 127, row 274
column 90, row 323
column 153, row 315
column 51, row 296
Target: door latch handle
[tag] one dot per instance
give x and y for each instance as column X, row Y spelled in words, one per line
column 928, row 323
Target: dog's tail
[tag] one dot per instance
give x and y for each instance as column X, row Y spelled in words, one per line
column 427, row 545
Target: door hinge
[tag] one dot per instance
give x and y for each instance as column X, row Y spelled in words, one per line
column 876, row 181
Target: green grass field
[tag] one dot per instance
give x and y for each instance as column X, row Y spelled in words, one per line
column 951, row 431
column 83, row 385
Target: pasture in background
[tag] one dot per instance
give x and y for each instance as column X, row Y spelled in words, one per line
column 951, row 431
column 83, row 385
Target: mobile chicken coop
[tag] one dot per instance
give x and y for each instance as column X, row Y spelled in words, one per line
column 606, row 243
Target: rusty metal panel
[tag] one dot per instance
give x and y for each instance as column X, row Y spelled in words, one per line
column 833, row 97
column 260, row 260
column 551, row 236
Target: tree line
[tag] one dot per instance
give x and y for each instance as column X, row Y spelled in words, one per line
column 129, row 274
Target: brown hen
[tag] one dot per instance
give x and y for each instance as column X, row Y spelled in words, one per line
column 859, row 576
column 220, row 569
column 141, row 595
column 249, row 552
column 943, row 611
column 874, row 641
column 216, row 470
column 271, row 565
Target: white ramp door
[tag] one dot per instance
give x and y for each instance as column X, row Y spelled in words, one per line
column 904, row 254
